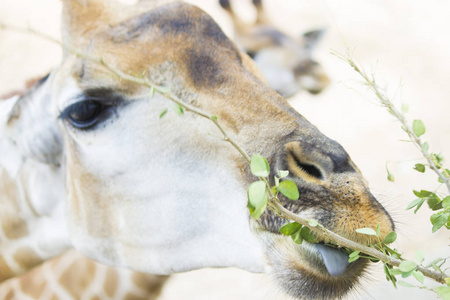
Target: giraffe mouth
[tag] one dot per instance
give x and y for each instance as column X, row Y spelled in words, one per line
column 311, row 271
column 335, row 260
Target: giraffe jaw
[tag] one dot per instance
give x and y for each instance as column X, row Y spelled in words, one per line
column 310, row 271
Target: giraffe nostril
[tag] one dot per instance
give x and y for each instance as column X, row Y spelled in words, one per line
column 310, row 169
column 301, row 168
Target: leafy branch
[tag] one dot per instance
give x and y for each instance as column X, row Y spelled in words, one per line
column 434, row 163
column 260, row 193
column 414, row 131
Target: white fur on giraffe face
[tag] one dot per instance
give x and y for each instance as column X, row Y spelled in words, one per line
column 150, row 176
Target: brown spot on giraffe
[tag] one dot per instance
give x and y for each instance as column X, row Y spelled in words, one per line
column 131, row 296
column 5, row 270
column 111, row 282
column 152, row 284
column 33, row 283
column 9, row 296
column 14, row 227
column 54, row 297
column 27, row 258
column 72, row 282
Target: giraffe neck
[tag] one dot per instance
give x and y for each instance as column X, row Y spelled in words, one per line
column 72, row 276
column 32, row 226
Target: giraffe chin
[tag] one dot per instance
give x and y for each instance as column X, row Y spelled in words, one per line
column 311, row 271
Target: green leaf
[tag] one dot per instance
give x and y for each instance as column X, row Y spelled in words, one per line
column 378, row 229
column 259, row 166
column 162, row 89
column 446, row 202
column 313, row 223
column 396, row 272
column 366, row 231
column 290, row 228
column 447, row 281
column 389, row 274
column 419, row 168
column 387, row 271
column 289, row 189
column 390, row 237
column 407, row 266
column 405, row 108
column 297, row 237
column 283, row 174
column 443, row 292
column 214, row 118
column 438, row 220
column 277, row 181
column 407, row 274
column 446, row 174
column 419, row 205
column 392, row 252
column 179, row 109
column 420, row 256
column 163, row 113
column 354, row 253
column 422, row 193
column 352, row 259
column 434, row 262
column 274, row 190
column 437, row 159
column 390, row 177
column 418, row 128
column 257, row 198
column 405, row 284
column 414, row 203
column 434, row 202
column 152, row 91
column 308, row 236
column 425, row 147
column 436, row 268
column 419, row 276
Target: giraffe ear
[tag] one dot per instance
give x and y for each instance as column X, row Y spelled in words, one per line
column 312, row 38
column 28, row 121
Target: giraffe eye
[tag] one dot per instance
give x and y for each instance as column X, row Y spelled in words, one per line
column 84, row 114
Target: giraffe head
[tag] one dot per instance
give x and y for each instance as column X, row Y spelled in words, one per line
column 165, row 195
column 286, row 62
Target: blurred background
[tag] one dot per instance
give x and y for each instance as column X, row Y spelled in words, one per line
column 404, row 43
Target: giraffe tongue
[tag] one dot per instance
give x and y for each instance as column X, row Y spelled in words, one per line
column 335, row 260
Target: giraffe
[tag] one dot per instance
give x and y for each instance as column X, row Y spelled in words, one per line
column 286, row 62
column 68, row 276
column 161, row 195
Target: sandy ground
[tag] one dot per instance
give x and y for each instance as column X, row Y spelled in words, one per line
column 406, row 45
